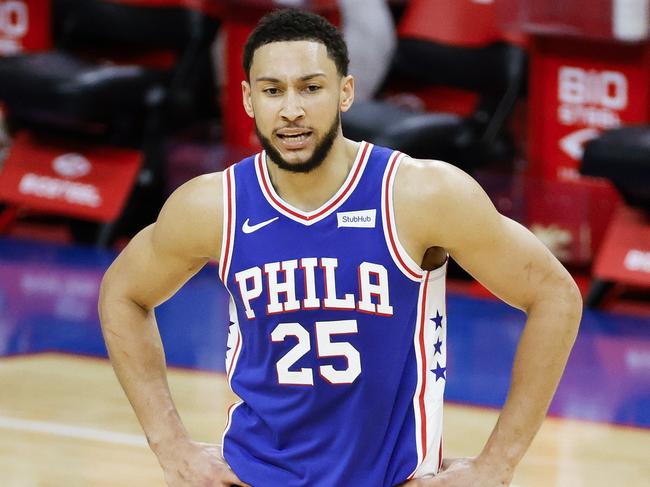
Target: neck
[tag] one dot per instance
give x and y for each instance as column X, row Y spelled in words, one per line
column 309, row 191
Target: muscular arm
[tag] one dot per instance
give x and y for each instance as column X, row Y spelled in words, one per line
column 155, row 264
column 513, row 264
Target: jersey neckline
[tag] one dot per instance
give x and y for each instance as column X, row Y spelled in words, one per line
column 327, row 208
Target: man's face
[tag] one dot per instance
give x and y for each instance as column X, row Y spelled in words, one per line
column 295, row 95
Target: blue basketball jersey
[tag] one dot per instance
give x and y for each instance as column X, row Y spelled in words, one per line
column 336, row 344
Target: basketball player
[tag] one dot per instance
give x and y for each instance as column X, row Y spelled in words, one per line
column 334, row 253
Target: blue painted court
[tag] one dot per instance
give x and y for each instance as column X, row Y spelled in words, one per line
column 48, row 302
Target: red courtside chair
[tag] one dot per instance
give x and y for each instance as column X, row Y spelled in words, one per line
column 122, row 76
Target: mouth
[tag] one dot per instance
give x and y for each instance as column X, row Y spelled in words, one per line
column 294, row 139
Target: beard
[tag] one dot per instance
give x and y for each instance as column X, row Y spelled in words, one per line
column 321, row 151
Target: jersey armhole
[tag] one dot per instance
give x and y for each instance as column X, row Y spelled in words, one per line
column 229, row 219
column 402, row 260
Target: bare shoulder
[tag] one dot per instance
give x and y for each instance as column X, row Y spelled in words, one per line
column 429, row 181
column 434, row 199
column 190, row 221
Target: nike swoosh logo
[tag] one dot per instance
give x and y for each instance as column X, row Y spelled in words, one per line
column 246, row 228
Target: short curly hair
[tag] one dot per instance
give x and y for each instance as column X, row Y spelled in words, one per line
column 297, row 25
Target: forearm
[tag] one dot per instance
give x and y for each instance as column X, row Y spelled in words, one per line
column 540, row 359
column 137, row 355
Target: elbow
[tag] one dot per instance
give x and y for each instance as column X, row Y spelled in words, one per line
column 576, row 295
column 109, row 293
column 569, row 312
column 573, row 299
column 115, row 294
column 568, row 303
column 565, row 301
column 570, row 293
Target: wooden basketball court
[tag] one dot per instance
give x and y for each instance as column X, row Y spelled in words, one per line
column 64, row 422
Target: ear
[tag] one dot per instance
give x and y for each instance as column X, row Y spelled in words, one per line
column 347, row 93
column 246, row 98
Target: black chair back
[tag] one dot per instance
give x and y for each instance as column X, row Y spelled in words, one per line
column 491, row 69
column 623, row 156
column 104, row 23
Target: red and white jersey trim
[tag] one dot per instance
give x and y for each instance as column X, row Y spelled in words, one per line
column 402, row 259
column 234, row 342
column 311, row 217
column 229, row 219
column 429, row 391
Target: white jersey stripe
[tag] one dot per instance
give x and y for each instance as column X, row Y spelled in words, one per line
column 418, row 410
column 229, row 221
column 402, row 260
column 227, row 244
column 431, row 362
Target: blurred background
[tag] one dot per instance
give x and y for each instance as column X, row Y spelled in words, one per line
column 107, row 106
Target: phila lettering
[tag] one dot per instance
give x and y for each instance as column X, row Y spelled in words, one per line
column 279, row 280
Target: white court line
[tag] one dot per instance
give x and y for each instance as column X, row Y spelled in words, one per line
column 69, row 431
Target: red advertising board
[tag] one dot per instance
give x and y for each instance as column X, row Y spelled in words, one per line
column 78, row 180
column 579, row 89
column 24, row 26
column 570, row 217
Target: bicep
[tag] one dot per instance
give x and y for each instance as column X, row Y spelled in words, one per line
column 500, row 253
column 510, row 261
column 163, row 256
column 147, row 273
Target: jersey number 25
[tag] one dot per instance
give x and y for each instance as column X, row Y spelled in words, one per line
column 324, row 348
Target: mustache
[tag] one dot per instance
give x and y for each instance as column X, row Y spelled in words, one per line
column 293, row 126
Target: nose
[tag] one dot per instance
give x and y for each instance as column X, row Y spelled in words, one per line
column 292, row 109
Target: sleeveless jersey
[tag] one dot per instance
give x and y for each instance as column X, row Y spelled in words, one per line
column 336, row 344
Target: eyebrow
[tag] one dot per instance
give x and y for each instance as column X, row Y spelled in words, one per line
column 307, row 77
